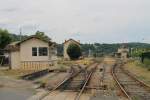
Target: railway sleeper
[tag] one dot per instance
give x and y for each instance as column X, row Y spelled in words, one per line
column 72, row 85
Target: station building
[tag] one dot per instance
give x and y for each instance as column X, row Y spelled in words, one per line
column 66, row 44
column 32, row 53
column 122, row 52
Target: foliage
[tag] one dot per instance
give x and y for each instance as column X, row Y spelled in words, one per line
column 137, row 52
column 105, row 49
column 15, row 37
column 74, row 51
column 4, row 38
column 144, row 64
column 98, row 49
column 145, row 55
column 42, row 36
column 147, row 62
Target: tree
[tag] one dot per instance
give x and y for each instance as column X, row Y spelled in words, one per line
column 145, row 55
column 4, row 38
column 15, row 37
column 74, row 51
column 42, row 36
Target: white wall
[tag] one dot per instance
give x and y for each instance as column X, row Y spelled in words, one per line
column 65, row 50
column 15, row 59
column 26, row 50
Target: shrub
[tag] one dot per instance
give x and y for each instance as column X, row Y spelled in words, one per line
column 74, row 51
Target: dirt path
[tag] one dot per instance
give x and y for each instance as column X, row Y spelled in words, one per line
column 17, row 89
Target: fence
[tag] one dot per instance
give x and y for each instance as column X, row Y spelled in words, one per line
column 37, row 65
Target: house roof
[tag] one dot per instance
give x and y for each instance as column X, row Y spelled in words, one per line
column 71, row 40
column 14, row 43
column 14, row 46
column 33, row 36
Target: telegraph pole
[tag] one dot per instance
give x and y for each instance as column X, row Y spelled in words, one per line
column 20, row 33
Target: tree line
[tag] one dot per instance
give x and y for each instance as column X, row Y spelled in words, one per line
column 96, row 49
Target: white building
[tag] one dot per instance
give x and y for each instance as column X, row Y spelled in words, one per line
column 31, row 53
column 66, row 44
column 123, row 52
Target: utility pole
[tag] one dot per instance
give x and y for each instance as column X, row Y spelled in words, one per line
column 89, row 55
column 20, row 33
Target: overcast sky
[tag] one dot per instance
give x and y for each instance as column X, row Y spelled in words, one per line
column 103, row 21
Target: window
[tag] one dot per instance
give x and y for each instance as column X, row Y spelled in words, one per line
column 43, row 51
column 34, row 51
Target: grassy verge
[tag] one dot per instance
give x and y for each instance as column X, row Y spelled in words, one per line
column 13, row 73
column 146, row 63
column 62, row 64
column 139, row 69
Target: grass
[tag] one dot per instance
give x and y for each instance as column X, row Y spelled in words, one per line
column 136, row 98
column 139, row 69
column 62, row 64
column 147, row 63
column 13, row 73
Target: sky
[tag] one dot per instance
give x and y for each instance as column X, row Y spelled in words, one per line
column 90, row 21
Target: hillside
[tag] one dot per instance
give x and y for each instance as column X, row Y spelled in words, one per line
column 100, row 49
column 103, row 49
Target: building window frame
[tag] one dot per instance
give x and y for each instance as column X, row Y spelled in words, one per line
column 43, row 51
column 34, row 51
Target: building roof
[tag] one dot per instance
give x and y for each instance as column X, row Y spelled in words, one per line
column 71, row 40
column 33, row 36
column 14, row 43
column 14, row 46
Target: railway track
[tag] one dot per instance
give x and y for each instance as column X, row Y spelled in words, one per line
column 76, row 81
column 132, row 88
column 99, row 85
column 86, row 82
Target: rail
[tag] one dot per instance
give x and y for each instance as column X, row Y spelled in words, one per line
column 86, row 82
column 69, row 77
column 118, row 83
column 138, row 84
column 59, row 84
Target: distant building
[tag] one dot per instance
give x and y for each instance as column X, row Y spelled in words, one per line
column 66, row 44
column 31, row 53
column 123, row 52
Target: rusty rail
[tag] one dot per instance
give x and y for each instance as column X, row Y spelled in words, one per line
column 86, row 82
column 118, row 83
column 72, row 75
column 58, row 85
column 132, row 77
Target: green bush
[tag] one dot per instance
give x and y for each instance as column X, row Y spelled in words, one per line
column 147, row 62
column 4, row 38
column 144, row 56
column 74, row 51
